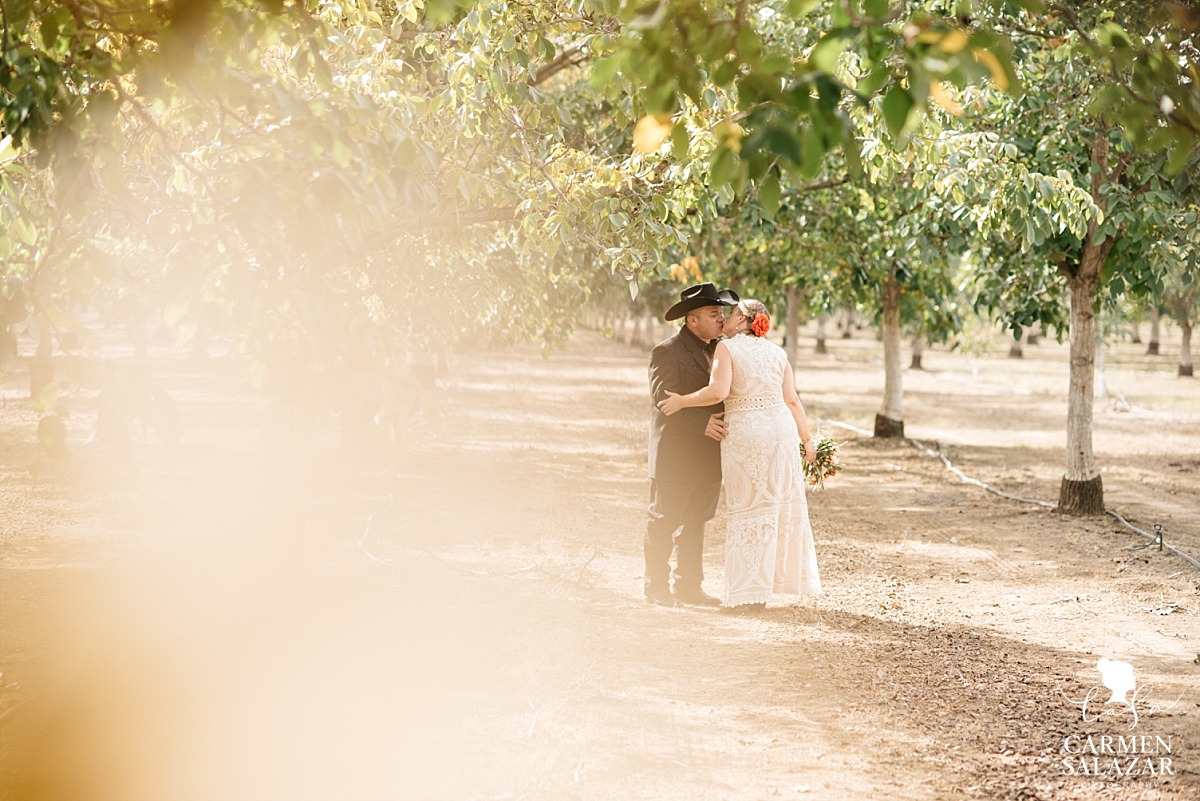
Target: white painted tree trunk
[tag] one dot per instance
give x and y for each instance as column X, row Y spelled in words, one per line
column 1152, row 348
column 1035, row 334
column 822, row 319
column 636, row 337
column 1101, row 384
column 793, row 323
column 918, row 351
column 1185, row 348
column 1081, row 465
column 892, row 422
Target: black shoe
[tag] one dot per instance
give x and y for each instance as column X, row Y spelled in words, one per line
column 660, row 598
column 696, row 597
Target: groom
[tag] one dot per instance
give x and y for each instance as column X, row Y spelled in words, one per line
column 685, row 450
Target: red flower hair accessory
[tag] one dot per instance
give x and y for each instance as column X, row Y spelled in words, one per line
column 761, row 325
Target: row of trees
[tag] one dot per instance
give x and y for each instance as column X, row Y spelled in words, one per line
column 336, row 183
column 1068, row 195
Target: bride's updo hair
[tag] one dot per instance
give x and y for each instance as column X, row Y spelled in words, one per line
column 756, row 316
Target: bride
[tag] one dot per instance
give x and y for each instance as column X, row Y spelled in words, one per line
column 768, row 539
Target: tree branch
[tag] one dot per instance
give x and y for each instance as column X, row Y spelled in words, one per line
column 824, row 185
column 569, row 57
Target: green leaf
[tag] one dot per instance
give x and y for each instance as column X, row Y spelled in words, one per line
column 25, row 231
column 798, row 8
column 814, row 152
column 679, row 141
column 604, row 70
column 1178, row 155
column 1112, row 35
column 784, row 143
column 872, row 81
column 850, row 149
column 439, row 12
column 722, row 167
column 1105, row 98
column 1036, row 6
column 321, row 71
column 825, row 55
column 725, row 73
column 768, row 196
column 896, row 105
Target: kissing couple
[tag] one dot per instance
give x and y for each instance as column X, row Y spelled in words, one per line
column 724, row 408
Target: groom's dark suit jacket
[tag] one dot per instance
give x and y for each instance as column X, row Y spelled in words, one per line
column 679, row 450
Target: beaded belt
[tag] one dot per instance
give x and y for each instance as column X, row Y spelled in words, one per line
column 746, row 403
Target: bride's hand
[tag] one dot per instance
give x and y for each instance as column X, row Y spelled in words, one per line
column 671, row 404
column 810, row 452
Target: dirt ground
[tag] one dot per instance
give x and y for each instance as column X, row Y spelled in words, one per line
column 256, row 616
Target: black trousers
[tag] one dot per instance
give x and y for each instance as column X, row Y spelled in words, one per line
column 676, row 505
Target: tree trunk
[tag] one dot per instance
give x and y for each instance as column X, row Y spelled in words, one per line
column 1152, row 348
column 1101, row 385
column 793, row 323
column 822, row 318
column 849, row 322
column 1137, row 335
column 636, row 337
column 918, row 349
column 890, row 420
column 1014, row 350
column 1035, row 334
column 1185, row 349
column 1082, row 492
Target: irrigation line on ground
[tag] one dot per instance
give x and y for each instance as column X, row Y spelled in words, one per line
column 939, row 455
column 1152, row 537
column 967, row 479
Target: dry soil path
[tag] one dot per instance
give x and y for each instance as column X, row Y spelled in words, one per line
column 224, row 623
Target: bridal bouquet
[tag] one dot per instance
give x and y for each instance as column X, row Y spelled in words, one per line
column 826, row 465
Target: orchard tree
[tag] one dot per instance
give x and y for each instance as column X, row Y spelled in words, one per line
column 1066, row 122
column 1180, row 252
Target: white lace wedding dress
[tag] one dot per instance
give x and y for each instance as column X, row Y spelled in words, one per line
column 768, row 539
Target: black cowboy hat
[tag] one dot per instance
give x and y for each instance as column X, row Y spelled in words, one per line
column 698, row 296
